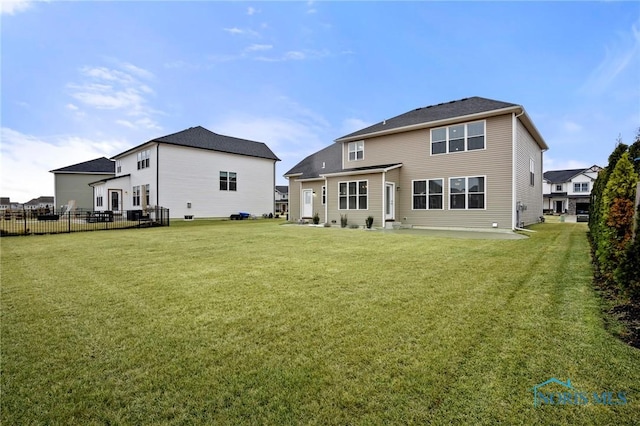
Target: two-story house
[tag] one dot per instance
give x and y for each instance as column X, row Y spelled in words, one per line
column 71, row 183
column 282, row 199
column 194, row 173
column 471, row 163
column 569, row 191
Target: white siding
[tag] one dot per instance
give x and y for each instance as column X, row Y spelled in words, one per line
column 191, row 175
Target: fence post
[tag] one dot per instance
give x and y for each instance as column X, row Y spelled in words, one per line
column 69, row 221
column 24, row 219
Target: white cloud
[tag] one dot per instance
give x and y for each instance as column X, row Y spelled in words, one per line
column 23, row 180
column 551, row 163
column 72, row 107
column 252, row 11
column 572, row 127
column 119, row 90
column 259, row 47
column 240, row 31
column 11, row 7
column 618, row 58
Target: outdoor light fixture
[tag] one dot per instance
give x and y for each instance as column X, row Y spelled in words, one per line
column 494, row 225
column 188, row 204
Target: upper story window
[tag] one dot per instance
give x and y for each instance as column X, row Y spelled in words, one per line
column 467, row 192
column 228, row 181
column 353, row 195
column 559, row 187
column 356, row 151
column 118, row 166
column 461, row 137
column 143, row 159
column 532, row 172
column 581, row 187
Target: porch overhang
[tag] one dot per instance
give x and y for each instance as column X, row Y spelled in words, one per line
column 364, row 170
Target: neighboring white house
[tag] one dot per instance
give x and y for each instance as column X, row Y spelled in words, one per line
column 568, row 191
column 194, row 173
column 282, row 199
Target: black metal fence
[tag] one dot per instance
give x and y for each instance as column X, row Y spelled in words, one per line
column 34, row 222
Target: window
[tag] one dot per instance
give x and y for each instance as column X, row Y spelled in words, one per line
column 581, row 187
column 353, row 195
column 427, row 194
column 145, row 201
column 228, row 181
column 99, row 201
column 118, row 166
column 458, row 138
column 467, row 193
column 143, row 159
column 356, row 151
column 532, row 172
column 136, row 195
column 324, row 195
column 559, row 187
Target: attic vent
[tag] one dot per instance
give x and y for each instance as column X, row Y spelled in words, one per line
column 384, row 122
column 323, row 164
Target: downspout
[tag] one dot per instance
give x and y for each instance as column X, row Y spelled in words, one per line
column 514, row 164
column 326, row 200
column 301, row 200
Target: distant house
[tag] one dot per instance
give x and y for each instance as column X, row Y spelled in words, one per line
column 569, row 191
column 40, row 203
column 194, row 173
column 71, row 183
column 5, row 203
column 471, row 163
column 282, row 199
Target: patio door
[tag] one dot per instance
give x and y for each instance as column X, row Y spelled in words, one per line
column 115, row 197
column 389, row 201
column 307, row 202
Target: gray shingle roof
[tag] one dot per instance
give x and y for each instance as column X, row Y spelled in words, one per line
column 99, row 165
column 199, row 137
column 462, row 107
column 560, row 176
column 283, row 189
column 311, row 166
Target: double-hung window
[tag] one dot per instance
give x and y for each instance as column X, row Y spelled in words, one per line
column 353, row 195
column 356, row 151
column 532, row 172
column 228, row 181
column 581, row 187
column 324, row 195
column 467, row 193
column 458, row 138
column 99, row 201
column 136, row 195
column 118, row 166
column 143, row 159
column 427, row 194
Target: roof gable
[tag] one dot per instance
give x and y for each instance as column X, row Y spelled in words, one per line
column 99, row 165
column 199, row 137
column 443, row 111
column 561, row 176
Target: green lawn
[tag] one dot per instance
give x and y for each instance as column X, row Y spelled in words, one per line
column 251, row 322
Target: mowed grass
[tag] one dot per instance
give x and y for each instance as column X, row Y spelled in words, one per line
column 251, row 322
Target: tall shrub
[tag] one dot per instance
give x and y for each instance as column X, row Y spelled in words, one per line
column 616, row 217
column 627, row 274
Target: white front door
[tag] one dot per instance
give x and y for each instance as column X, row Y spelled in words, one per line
column 307, row 202
column 389, row 201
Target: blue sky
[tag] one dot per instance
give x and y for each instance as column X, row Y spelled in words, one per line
column 81, row 80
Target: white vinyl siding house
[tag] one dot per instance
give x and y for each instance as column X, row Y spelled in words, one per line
column 194, row 173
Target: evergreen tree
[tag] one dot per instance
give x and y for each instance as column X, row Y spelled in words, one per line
column 615, row 225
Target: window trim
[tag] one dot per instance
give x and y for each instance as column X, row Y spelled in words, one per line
column 581, row 184
column 447, row 139
column 143, row 159
column 357, row 194
column 427, row 194
column 532, row 172
column 466, row 193
column 227, row 181
column 356, row 145
column 324, row 194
